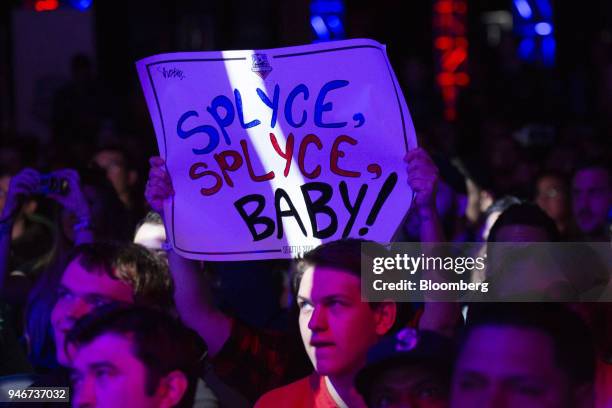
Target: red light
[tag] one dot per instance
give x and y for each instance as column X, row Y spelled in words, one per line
column 462, row 79
column 460, row 7
column 461, row 42
column 451, row 49
column 444, row 7
column 445, row 79
column 452, row 59
column 450, row 114
column 443, row 43
column 46, row 5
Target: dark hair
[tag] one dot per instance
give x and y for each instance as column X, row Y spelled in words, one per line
column 110, row 218
column 574, row 348
column 502, row 204
column 345, row 255
column 133, row 264
column 525, row 214
column 595, row 164
column 160, row 342
column 128, row 160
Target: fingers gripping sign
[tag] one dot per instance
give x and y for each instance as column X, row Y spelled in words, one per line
column 159, row 185
column 422, row 179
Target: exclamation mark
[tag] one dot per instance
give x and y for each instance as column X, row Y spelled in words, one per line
column 385, row 191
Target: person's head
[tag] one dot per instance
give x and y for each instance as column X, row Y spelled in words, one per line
column 592, row 197
column 552, row 196
column 337, row 325
column 523, row 222
column 523, row 355
column 493, row 212
column 115, row 162
column 102, row 273
column 134, row 357
column 529, row 273
column 408, row 370
column 109, row 218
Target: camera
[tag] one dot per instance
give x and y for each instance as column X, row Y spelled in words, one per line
column 50, row 184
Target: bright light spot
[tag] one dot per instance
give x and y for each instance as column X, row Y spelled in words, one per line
column 46, row 5
column 262, row 146
column 319, row 26
column 543, row 28
column 82, row 4
column 523, row 8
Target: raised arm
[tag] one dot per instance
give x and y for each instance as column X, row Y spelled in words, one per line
column 191, row 287
column 73, row 200
column 441, row 317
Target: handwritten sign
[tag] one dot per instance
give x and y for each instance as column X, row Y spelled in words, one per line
column 272, row 152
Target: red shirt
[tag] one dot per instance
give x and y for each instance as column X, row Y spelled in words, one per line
column 256, row 361
column 306, row 393
column 603, row 385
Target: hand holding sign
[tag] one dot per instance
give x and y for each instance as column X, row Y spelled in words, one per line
column 422, row 178
column 159, row 185
column 278, row 150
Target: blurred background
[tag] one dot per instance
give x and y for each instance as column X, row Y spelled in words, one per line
column 510, row 87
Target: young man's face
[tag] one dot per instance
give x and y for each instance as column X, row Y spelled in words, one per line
column 337, row 327
column 416, row 386
column 79, row 292
column 107, row 374
column 591, row 199
column 509, row 367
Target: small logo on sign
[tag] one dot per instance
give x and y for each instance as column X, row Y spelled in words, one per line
column 261, row 66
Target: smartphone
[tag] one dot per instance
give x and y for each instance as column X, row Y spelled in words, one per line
column 50, row 184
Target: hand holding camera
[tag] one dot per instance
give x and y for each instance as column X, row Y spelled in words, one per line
column 64, row 186
column 23, row 185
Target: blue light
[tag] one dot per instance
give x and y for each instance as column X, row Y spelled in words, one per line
column 548, row 50
column 333, row 22
column 326, row 19
column 326, row 7
column 543, row 28
column 320, row 28
column 545, row 9
column 526, row 49
column 523, row 8
column 81, row 4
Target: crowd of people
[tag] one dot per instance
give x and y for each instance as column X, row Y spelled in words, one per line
column 94, row 298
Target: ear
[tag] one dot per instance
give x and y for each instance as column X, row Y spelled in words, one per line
column 386, row 313
column 132, row 177
column 172, row 388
